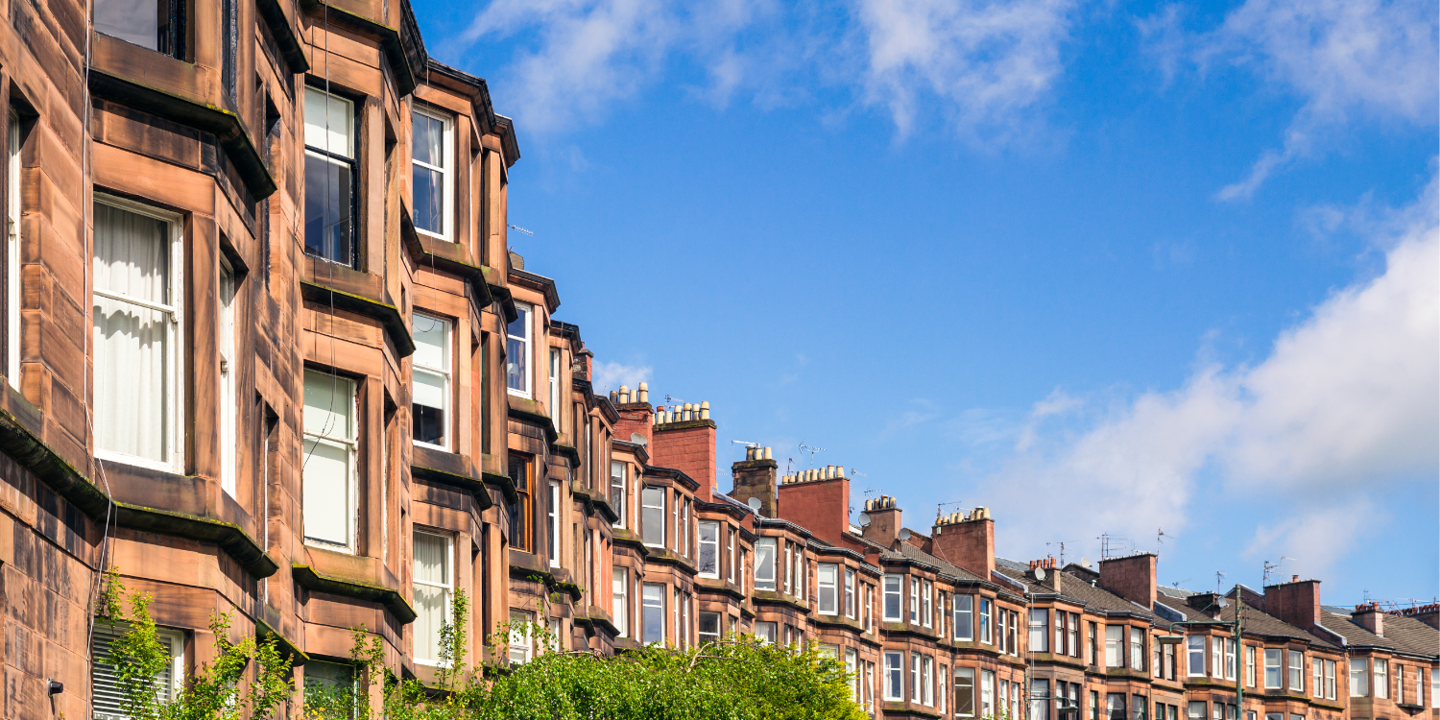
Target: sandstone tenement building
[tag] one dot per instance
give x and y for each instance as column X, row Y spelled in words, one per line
column 266, row 352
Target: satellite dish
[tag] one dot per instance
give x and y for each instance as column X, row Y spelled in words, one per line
column 864, row 520
column 1039, row 573
column 905, row 534
column 1084, row 562
column 754, row 504
column 1220, row 603
column 637, row 438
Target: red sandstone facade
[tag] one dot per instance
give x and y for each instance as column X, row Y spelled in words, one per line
column 268, row 353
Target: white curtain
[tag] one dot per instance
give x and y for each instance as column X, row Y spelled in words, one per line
column 132, row 342
column 432, row 576
column 329, row 457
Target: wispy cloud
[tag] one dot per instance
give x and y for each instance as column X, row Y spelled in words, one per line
column 1346, row 60
column 1345, row 403
column 611, row 375
column 978, row 67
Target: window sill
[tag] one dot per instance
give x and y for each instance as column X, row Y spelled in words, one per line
column 356, row 292
column 451, row 469
column 352, row 576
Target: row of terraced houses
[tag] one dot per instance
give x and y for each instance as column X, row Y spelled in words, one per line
column 267, row 352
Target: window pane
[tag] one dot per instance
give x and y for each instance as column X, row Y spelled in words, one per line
column 327, row 208
column 430, row 560
column 329, row 427
column 432, row 341
column 134, row 21
column 430, row 616
column 516, row 349
column 428, row 188
column 427, row 138
column 428, row 411
column 329, row 123
column 709, row 548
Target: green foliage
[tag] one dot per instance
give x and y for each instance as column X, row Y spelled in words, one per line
column 213, row 691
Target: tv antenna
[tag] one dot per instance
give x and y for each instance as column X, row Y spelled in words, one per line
column 1176, row 584
column 1061, row 545
column 1219, row 578
column 523, row 230
column 1109, row 543
column 939, row 507
column 1160, row 537
column 810, row 449
column 673, row 400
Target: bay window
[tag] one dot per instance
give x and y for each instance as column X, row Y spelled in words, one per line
column 1195, row 655
column 964, row 612
column 158, row 26
column 433, row 586
column 926, row 613
column 1137, row 649
column 520, row 510
column 1229, row 659
column 1382, row 678
column 430, row 393
column 12, row 249
column 618, row 501
column 914, row 598
column 985, row 612
column 850, row 593
column 1039, row 630
column 826, row 576
column 892, row 601
column 1297, row 670
column 225, row 339
column 964, row 692
column 330, row 177
column 1359, row 678
column 709, row 627
column 1115, row 650
column 330, row 492
column 518, row 352
column 652, row 516
column 894, row 676
column 552, row 525
column 1249, row 666
column 987, row 691
column 520, row 635
column 1273, row 680
column 709, row 549
column 432, row 149
column 765, row 564
column 108, row 696
column 138, row 393
column 652, row 609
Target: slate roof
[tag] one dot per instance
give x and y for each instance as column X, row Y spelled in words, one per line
column 1075, row 586
column 1257, row 621
column 915, row 554
column 1402, row 634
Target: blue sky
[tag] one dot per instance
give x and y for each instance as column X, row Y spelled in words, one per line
column 1102, row 267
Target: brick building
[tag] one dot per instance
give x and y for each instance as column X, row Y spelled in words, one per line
column 317, row 391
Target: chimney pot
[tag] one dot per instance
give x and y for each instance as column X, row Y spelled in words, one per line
column 767, row 453
column 644, row 392
column 705, row 410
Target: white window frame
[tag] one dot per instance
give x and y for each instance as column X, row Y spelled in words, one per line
column 1229, row 659
column 446, row 376
column 175, row 338
column 827, row 592
column 447, row 171
column 617, row 481
column 552, row 512
column 987, row 692
column 619, row 597
column 987, row 609
column 967, row 673
column 730, row 554
column 350, row 152
column 1039, row 629
column 1295, row 665
column 850, row 579
column 765, row 571
column 1380, row 680
column 526, row 311
column 658, row 604
column 927, row 607
column 351, row 446
column 1330, row 679
column 653, row 491
column 555, row 386
column 927, row 680
column 1195, row 648
column 522, row 643
column 229, row 368
column 894, row 675
column 714, row 572
column 914, row 599
column 898, row 592
column 1359, row 677
column 765, row 631
column 1249, row 665
column 448, row 589
column 1137, row 649
column 1278, row 666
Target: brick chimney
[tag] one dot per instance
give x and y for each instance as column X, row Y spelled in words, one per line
column 1208, row 603
column 755, row 478
column 1132, row 578
column 1368, row 616
column 1296, row 602
column 819, row 501
column 884, row 525
column 1428, row 614
column 1048, row 568
column 966, row 541
column 683, row 438
column 636, row 415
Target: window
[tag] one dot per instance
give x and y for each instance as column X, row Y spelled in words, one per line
column 1272, row 669
column 1012, row 642
column 330, row 171
column 619, row 600
column 652, row 603
column 1002, row 615
column 12, row 250
column 1091, row 651
column 617, row 491
column 709, row 549
column 555, row 386
column 1115, row 649
column 850, row 593
column 709, row 627
column 1074, row 634
column 1434, row 688
column 1217, row 658
column 965, row 692
column 1169, row 662
column 158, row 26
column 914, row 598
column 927, row 680
column 1195, row 655
column 1039, row 630
column 765, row 564
column 652, row 516
column 964, row 611
column 433, row 585
column 891, row 608
column 430, row 393
column 1138, row 703
column 1229, row 659
column 517, row 356
column 1329, row 680
column 552, row 523
column 1249, row 666
column 520, row 510
column 825, row 579
column 940, row 693
column 1382, row 679
column 1297, row 670
column 683, row 541
column 730, row 555
column 432, row 145
column 1359, row 678
column 225, row 330
column 137, row 335
column 1317, row 683
column 985, row 634
column 915, row 693
column 1137, row 650
column 106, row 690
column 869, row 608
column 1095, row 699
column 801, row 566
column 1114, row 704
column 1059, row 633
column 332, row 678
column 766, row 632
column 519, row 632
column 987, row 689
column 1195, row 711
column 894, row 689
column 926, row 612
column 330, row 493
column 1039, row 698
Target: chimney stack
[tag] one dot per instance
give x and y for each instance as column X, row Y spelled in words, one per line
column 966, row 541
column 755, row 478
column 1047, row 566
column 687, row 444
column 1368, row 616
column 1296, row 602
column 818, row 504
column 884, row 527
column 1132, row 578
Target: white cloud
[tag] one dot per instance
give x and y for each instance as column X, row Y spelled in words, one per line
column 1345, row 59
column 609, row 376
column 1347, row 402
column 1310, row 542
column 984, row 61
